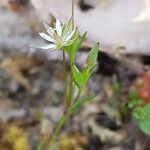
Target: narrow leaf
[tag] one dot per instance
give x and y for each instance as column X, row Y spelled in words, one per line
column 87, row 72
column 92, row 57
column 77, row 76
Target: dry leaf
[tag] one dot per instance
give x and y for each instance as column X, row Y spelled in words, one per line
column 15, row 67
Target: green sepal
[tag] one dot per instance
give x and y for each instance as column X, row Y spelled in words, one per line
column 75, row 46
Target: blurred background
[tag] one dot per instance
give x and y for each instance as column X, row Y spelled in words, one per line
column 31, row 83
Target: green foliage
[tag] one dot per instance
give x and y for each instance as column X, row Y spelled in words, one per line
column 143, row 118
column 135, row 100
column 80, row 78
column 77, row 77
column 140, row 112
column 144, row 125
column 75, row 46
column 92, row 57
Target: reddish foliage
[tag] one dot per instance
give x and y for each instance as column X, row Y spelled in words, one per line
column 142, row 85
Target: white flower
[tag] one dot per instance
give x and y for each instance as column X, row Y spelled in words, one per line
column 60, row 36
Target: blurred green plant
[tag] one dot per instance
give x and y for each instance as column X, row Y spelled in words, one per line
column 66, row 37
column 117, row 101
column 135, row 107
column 140, row 112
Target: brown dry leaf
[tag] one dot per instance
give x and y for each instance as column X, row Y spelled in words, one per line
column 15, row 67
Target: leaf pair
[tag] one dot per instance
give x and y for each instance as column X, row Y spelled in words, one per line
column 81, row 77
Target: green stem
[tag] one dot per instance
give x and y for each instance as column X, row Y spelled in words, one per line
column 64, row 76
column 70, row 95
column 66, row 116
column 72, row 14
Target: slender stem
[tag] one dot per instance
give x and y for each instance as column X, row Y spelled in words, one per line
column 70, row 95
column 64, row 76
column 66, row 116
column 72, row 14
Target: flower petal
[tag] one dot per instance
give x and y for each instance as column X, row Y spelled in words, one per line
column 48, row 29
column 58, row 27
column 46, row 37
column 49, row 46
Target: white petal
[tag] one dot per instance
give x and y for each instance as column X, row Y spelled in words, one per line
column 48, row 29
column 49, row 46
column 46, row 37
column 58, row 27
column 70, row 35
